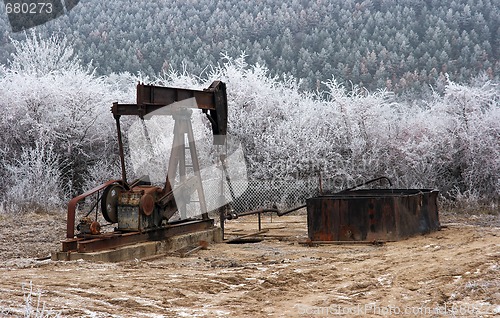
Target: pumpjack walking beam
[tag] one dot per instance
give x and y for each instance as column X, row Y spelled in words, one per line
column 212, row 101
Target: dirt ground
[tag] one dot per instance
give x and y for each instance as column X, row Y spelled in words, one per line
column 454, row 272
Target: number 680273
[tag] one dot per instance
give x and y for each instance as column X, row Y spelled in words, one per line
column 28, row 8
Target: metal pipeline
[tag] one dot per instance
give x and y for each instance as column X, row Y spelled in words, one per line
column 367, row 182
column 233, row 216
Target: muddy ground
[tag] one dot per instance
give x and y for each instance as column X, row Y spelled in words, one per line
column 454, row 272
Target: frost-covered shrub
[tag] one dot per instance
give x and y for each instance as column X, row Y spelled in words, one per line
column 450, row 142
column 470, row 131
column 33, row 305
column 289, row 134
column 35, row 179
column 349, row 135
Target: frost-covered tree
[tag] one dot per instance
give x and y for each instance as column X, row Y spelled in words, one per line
column 39, row 56
column 351, row 135
column 49, row 98
column 348, row 134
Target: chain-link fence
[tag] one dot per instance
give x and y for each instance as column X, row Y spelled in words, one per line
column 280, row 194
column 256, row 194
column 249, row 195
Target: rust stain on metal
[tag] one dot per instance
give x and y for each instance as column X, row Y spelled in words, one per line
column 92, row 243
column 372, row 215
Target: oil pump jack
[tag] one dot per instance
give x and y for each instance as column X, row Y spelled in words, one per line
column 143, row 211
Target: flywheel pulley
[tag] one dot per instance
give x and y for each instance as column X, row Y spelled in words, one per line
column 109, row 202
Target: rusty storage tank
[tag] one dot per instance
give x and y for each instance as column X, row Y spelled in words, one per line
column 375, row 214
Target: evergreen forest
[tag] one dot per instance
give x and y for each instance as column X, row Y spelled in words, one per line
column 403, row 46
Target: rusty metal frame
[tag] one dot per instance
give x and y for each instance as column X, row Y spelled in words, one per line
column 70, row 223
column 92, row 243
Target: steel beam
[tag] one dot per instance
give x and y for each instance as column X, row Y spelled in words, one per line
column 93, row 243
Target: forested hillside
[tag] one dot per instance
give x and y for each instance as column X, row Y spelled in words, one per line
column 401, row 45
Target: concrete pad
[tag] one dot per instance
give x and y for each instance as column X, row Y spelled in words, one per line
column 145, row 249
